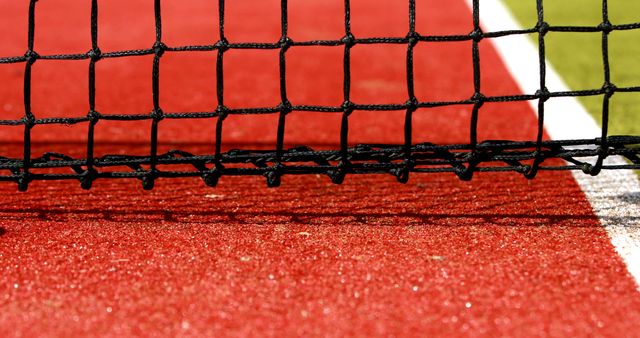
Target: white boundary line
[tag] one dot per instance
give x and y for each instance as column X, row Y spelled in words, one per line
column 614, row 195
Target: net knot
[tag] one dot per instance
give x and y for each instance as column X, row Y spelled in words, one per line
column 543, row 94
column 29, row 121
column 603, row 151
column 274, row 175
column 413, row 38
column 402, row 174
column 95, row 54
column 159, row 48
column 222, row 111
column 285, row 43
column 285, row 107
column 542, row 28
column 148, row 180
column 338, row 174
column 348, row 107
column 31, row 56
column 609, row 89
column 606, row 27
column 587, row 168
column 478, row 99
column 222, row 45
column 212, row 178
column 412, row 104
column 23, row 181
column 87, row 178
column 477, row 35
column 349, row 40
column 94, row 116
column 157, row 114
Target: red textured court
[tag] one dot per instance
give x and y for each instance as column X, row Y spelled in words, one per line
column 500, row 255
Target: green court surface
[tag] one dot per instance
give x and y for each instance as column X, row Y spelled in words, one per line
column 576, row 56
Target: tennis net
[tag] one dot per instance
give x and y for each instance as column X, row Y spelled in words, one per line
column 524, row 157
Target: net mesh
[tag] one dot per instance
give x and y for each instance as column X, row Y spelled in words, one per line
column 399, row 160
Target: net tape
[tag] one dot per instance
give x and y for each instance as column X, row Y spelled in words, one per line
column 527, row 158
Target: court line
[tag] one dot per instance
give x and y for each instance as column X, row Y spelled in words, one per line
column 613, row 195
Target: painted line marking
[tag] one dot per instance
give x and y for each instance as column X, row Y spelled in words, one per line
column 613, row 195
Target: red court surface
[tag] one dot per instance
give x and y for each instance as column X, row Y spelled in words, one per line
column 498, row 256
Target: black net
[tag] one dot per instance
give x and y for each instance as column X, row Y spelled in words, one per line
column 524, row 157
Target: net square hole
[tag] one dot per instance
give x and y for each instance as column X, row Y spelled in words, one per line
column 188, row 82
column 14, row 16
column 496, row 78
column 366, row 127
column 251, row 78
column 624, row 11
column 183, row 139
column 189, row 22
column 252, row 21
column 315, row 75
column 60, row 88
column 624, row 115
column 11, row 92
column 525, row 14
column 124, row 85
column 579, row 55
column 443, row 71
column 378, row 74
column 52, row 144
column 573, row 13
column 316, row 20
column 316, row 130
column 432, row 18
column 195, row 136
column 69, row 140
column 256, row 131
column 115, row 29
column 442, row 125
column 556, row 115
column 11, row 144
column 11, row 109
column 382, row 18
column 624, row 46
column 62, row 28
column 515, row 121
column 114, row 137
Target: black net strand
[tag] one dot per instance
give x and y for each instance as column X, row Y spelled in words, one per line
column 400, row 160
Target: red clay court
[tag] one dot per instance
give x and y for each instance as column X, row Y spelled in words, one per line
column 496, row 256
